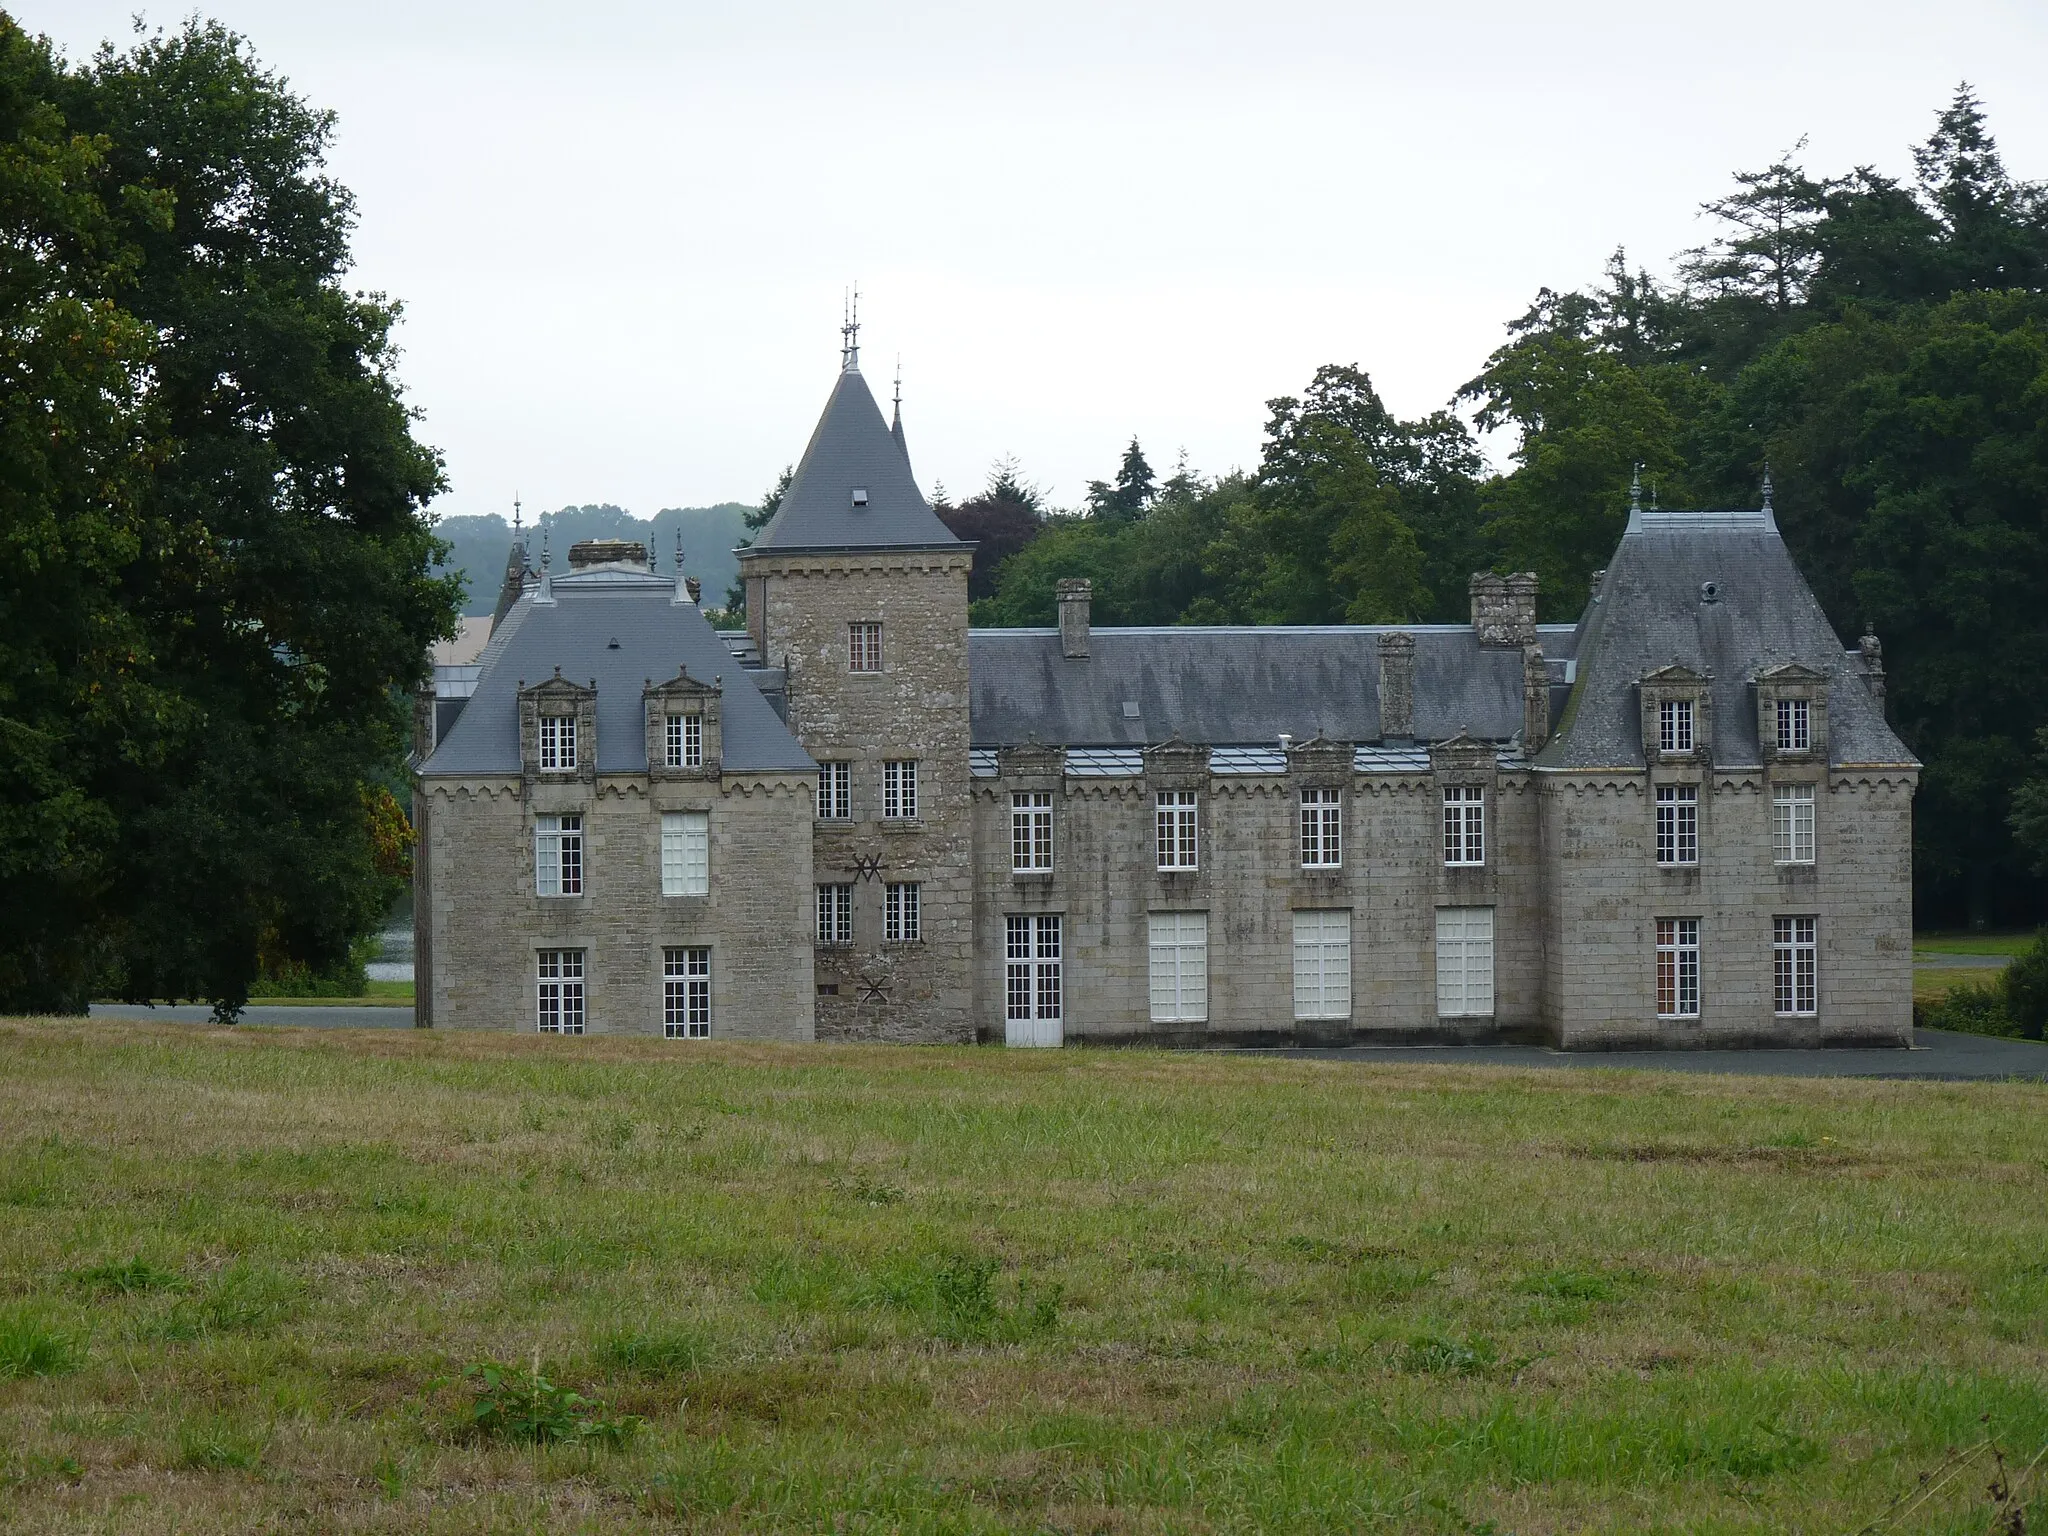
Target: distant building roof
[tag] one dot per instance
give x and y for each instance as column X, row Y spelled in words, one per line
column 1654, row 608
column 853, row 487
column 655, row 637
column 1228, row 686
column 467, row 645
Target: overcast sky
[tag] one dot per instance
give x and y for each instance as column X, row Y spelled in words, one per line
column 622, row 231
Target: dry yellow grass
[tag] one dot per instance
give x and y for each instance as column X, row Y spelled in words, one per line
column 885, row 1289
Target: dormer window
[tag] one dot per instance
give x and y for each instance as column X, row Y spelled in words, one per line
column 685, row 741
column 557, row 743
column 1795, row 725
column 1674, row 725
column 860, row 495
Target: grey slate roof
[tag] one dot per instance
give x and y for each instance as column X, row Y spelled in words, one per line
column 1230, row 686
column 656, row 635
column 852, row 448
column 1649, row 613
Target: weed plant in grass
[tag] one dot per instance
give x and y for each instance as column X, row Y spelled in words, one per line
column 887, row 1289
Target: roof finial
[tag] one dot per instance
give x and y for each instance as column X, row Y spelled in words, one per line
column 898, row 401
column 546, row 594
column 1635, row 489
column 515, row 511
column 849, row 333
column 1767, row 485
column 682, row 592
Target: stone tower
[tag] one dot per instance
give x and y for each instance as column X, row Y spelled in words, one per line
column 859, row 593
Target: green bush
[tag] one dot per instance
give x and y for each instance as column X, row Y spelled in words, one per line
column 2025, row 982
column 1970, row 1008
column 519, row 1403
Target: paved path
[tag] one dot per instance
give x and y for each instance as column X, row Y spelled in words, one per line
column 1936, row 962
column 1935, row 1054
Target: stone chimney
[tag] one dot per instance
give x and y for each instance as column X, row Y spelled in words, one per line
column 1871, row 650
column 1535, row 700
column 1504, row 608
column 1075, row 594
column 1397, row 686
column 588, row 552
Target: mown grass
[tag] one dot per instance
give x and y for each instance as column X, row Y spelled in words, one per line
column 886, row 1289
column 1931, row 942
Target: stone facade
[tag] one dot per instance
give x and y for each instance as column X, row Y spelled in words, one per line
column 1680, row 821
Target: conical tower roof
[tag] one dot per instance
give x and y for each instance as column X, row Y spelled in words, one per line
column 853, row 488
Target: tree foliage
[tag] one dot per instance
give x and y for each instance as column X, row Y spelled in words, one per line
column 221, row 567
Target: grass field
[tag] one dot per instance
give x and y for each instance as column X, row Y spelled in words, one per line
column 241, row 1273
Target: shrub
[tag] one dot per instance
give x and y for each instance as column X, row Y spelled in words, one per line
column 1970, row 1008
column 2025, row 982
column 519, row 1403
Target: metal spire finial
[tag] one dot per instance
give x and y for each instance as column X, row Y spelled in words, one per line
column 543, row 544
column 849, row 333
column 1767, row 485
column 515, row 511
column 1635, row 489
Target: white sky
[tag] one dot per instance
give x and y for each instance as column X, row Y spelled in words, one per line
column 621, row 231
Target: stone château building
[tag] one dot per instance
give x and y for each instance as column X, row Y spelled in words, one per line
column 1680, row 821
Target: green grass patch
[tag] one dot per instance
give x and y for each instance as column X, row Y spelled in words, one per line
column 1959, row 943
column 242, row 1275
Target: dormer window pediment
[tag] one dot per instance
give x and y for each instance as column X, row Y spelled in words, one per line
column 558, row 729
column 1677, row 715
column 684, row 739
column 1791, row 713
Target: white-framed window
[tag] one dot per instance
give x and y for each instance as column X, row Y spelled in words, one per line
column 1030, row 831
column 1032, row 987
column 1464, row 824
column 685, row 741
column 685, row 853
column 558, row 855
column 835, row 914
column 1795, row 725
column 899, row 790
column 864, row 646
column 557, row 743
column 1678, row 967
column 1678, row 824
column 1174, row 828
column 1322, row 965
column 835, row 791
column 902, row 921
column 686, row 993
column 1322, row 828
column 1464, row 962
column 1795, row 965
column 558, row 995
column 1180, row 967
column 1674, row 725
column 1792, row 824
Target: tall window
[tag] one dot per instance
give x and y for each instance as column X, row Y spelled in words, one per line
column 1795, row 725
column 1464, row 824
column 1174, row 826
column 557, row 743
column 835, row 914
column 559, row 996
column 1464, row 962
column 899, row 790
column 1322, row 828
column 1180, row 967
column 1678, row 824
column 864, row 646
column 901, row 922
column 835, row 791
column 685, row 853
column 685, row 736
column 558, row 855
column 1792, row 824
column 1032, row 990
column 1795, row 965
column 1674, row 725
column 1322, row 965
column 686, row 994
column 1678, row 967
column 1030, row 830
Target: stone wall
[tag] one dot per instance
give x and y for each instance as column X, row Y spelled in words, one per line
column 479, row 922
column 914, row 708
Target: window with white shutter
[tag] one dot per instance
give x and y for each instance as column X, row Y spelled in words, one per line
column 1322, row 965
column 686, row 853
column 1464, row 962
column 1792, row 824
column 1180, row 967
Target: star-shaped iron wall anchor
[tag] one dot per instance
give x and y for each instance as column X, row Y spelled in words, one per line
column 874, row 989
column 867, row 866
